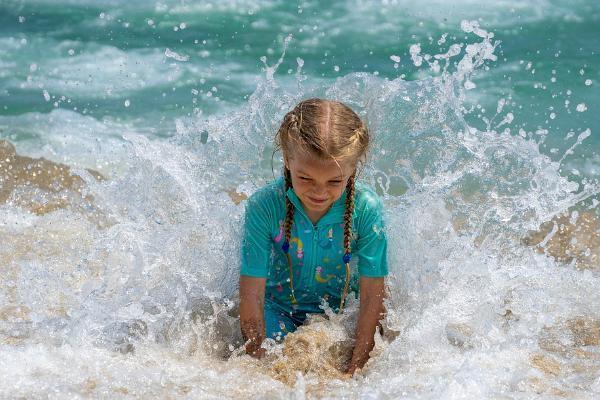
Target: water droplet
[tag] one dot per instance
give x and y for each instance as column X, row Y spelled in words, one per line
column 127, row 103
column 581, row 107
column 469, row 85
column 588, row 82
column 395, row 58
column 336, row 68
column 414, row 51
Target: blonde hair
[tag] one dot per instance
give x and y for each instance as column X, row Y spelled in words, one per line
column 329, row 130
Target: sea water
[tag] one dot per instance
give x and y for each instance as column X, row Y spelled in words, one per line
column 132, row 132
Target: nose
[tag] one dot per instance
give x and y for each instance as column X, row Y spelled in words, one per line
column 319, row 189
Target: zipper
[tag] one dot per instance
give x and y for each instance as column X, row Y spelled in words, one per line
column 310, row 262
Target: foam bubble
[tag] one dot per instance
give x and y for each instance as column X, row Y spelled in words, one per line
column 171, row 54
column 414, row 51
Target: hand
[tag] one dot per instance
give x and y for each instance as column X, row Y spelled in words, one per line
column 255, row 350
column 252, row 324
column 372, row 291
column 360, row 356
column 351, row 369
column 356, row 363
column 258, row 354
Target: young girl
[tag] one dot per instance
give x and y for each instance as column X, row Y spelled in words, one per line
column 302, row 231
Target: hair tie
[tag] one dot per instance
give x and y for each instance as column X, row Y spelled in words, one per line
column 347, row 257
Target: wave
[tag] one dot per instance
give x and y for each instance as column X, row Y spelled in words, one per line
column 476, row 308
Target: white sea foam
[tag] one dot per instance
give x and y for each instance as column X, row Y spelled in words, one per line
column 105, row 72
column 68, row 137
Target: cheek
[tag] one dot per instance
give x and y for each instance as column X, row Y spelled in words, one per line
column 336, row 192
column 300, row 186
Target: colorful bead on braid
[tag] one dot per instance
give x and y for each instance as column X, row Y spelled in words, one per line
column 347, row 257
column 285, row 247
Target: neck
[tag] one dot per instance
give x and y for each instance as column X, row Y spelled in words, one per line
column 315, row 216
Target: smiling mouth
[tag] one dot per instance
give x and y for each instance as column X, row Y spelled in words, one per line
column 317, row 200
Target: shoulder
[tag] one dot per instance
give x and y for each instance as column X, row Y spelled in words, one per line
column 269, row 197
column 366, row 199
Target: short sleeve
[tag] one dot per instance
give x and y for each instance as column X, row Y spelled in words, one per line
column 256, row 242
column 372, row 242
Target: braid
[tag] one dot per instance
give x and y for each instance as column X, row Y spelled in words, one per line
column 289, row 220
column 347, row 235
column 348, row 214
column 289, row 207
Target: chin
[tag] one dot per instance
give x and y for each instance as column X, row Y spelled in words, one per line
column 323, row 207
column 317, row 207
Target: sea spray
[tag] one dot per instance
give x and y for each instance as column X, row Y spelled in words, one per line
column 145, row 304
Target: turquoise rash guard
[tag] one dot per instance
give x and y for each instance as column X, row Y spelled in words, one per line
column 316, row 250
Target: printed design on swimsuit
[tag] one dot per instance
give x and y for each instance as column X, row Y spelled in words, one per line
column 282, row 326
column 293, row 240
column 280, row 235
column 327, row 243
column 322, row 279
column 299, row 248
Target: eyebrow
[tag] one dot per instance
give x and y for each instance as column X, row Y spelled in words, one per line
column 305, row 173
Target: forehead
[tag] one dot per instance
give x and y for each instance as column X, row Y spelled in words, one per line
column 308, row 164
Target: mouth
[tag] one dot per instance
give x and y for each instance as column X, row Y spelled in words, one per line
column 317, row 201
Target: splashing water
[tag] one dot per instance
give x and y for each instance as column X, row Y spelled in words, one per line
column 133, row 292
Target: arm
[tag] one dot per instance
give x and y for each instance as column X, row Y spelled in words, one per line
column 372, row 292
column 252, row 298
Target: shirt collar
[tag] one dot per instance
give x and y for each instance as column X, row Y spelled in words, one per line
column 334, row 215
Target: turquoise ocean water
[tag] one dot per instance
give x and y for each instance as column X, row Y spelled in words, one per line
column 485, row 122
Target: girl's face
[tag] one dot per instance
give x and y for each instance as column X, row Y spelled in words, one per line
column 318, row 183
